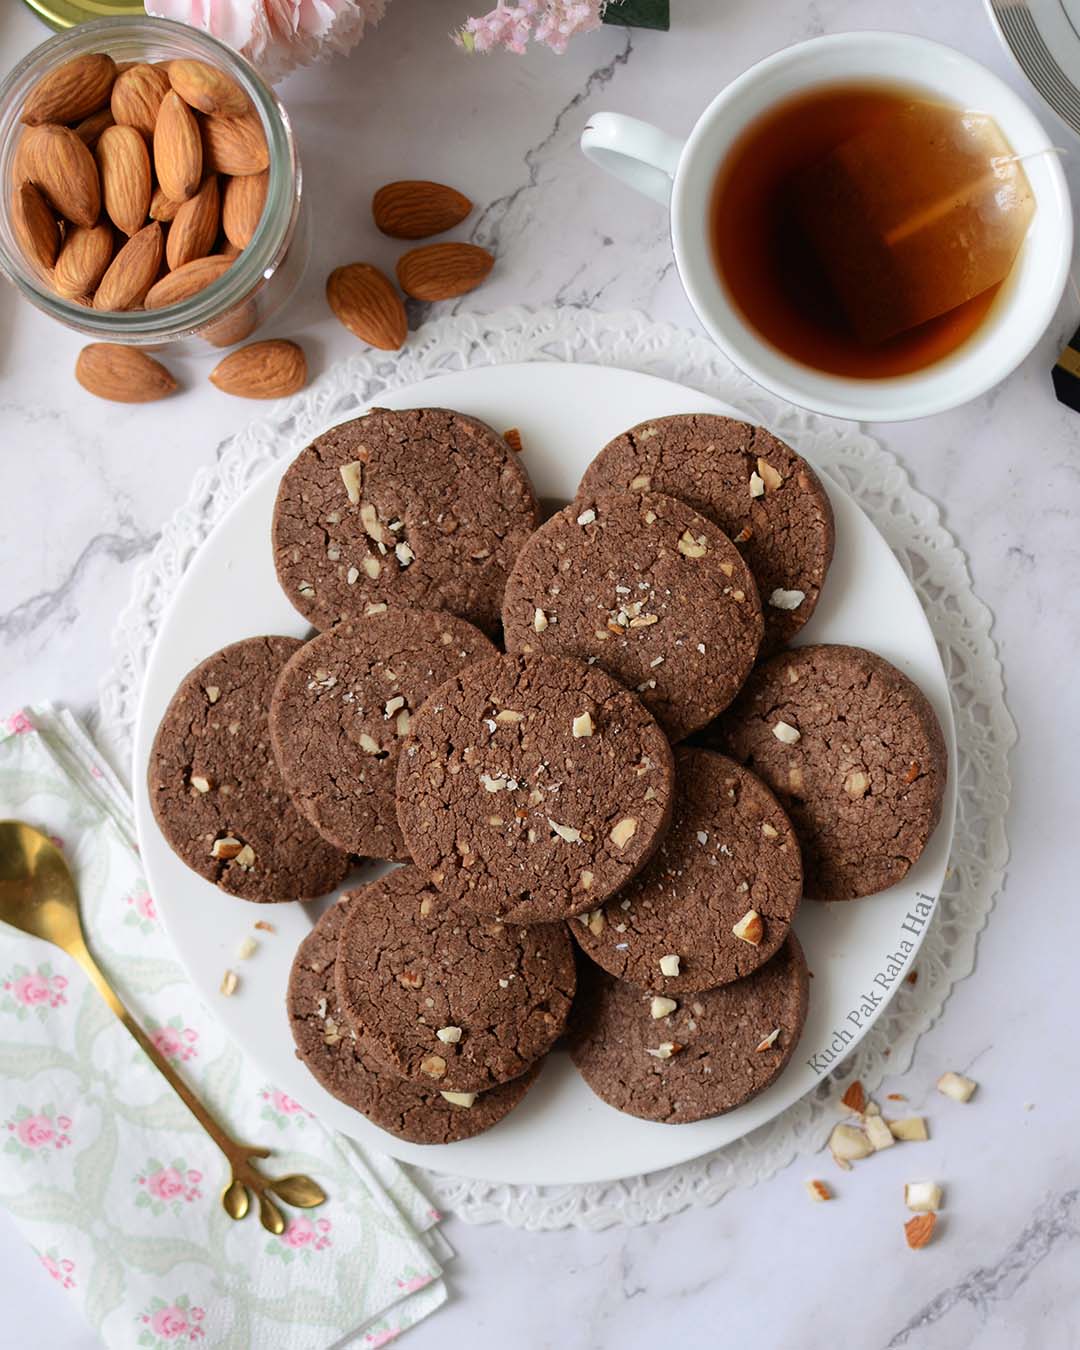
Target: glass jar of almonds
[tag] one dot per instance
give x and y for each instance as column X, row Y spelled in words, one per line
column 151, row 189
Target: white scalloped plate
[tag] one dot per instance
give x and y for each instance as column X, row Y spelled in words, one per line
column 561, row 1133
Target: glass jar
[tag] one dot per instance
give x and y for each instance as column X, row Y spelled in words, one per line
column 263, row 275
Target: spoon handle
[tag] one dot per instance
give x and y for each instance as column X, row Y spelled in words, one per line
column 294, row 1190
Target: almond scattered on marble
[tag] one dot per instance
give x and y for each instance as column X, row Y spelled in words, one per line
column 443, row 271
column 922, row 1197
column 270, row 369
column 854, row 1097
column 848, row 1144
column 919, row 1230
column 911, row 1129
column 122, row 374
column 363, row 300
column 819, row 1190
column 956, row 1086
column 417, row 209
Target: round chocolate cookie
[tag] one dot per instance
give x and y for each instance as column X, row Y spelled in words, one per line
column 709, row 1054
column 651, row 591
column 215, row 788
column 423, row 507
column 855, row 755
column 351, row 1073
column 443, row 999
column 532, row 788
column 757, row 489
column 719, row 894
column 342, row 707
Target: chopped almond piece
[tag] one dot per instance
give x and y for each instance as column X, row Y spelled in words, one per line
column 922, row 1197
column 855, row 1097
column 878, row 1133
column 848, row 1145
column 818, row 1190
column 956, row 1086
column 919, row 1230
column 911, row 1128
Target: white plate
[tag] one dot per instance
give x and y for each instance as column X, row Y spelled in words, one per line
column 561, row 1133
column 1043, row 38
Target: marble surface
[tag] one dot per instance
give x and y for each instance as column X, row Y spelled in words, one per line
column 85, row 489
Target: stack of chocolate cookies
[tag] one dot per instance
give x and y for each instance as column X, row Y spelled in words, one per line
column 494, row 702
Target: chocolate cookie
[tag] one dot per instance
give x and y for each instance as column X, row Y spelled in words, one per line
column 347, row 1070
column 442, row 999
column 708, row 1054
column 342, row 707
column 854, row 753
column 652, row 592
column 718, row 897
column 532, row 788
column 424, row 508
column 215, row 788
column 757, row 489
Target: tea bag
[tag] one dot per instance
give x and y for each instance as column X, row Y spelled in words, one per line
column 912, row 217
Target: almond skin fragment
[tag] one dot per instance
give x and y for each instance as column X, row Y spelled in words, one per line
column 131, row 273
column 242, row 207
column 271, row 369
column 35, row 227
column 195, row 226
column 919, row 1230
column 443, row 271
column 235, row 145
column 64, row 171
column 178, row 149
column 124, row 168
column 186, row 281
column 136, row 98
column 84, row 257
column 207, row 88
column 417, row 208
column 855, row 1097
column 363, row 299
column 122, row 374
column 72, row 91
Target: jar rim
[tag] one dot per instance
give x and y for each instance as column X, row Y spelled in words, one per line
column 257, row 262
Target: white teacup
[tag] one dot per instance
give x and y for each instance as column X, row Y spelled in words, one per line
column 682, row 174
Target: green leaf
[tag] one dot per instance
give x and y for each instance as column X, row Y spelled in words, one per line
column 105, row 1290
column 24, row 1061
column 94, row 1165
column 46, row 1205
column 157, row 1256
column 639, row 13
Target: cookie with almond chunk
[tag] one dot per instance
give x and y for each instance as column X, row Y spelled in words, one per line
column 761, row 493
column 676, row 1058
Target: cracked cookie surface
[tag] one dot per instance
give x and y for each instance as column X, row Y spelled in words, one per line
column 860, row 768
column 343, row 1065
column 446, row 1000
column 215, row 787
column 650, row 591
column 424, row 507
column 730, row 853
column 532, row 788
column 342, row 707
column 711, row 1053
column 782, row 522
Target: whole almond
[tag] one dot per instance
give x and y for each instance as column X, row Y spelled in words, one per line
column 136, row 97
column 235, row 145
column 122, row 374
column 163, row 208
column 124, row 165
column 90, row 128
column 270, row 369
column 72, row 91
column 233, row 327
column 443, row 271
column 35, row 226
column 84, row 257
column 178, row 153
column 242, row 207
column 364, row 300
column 195, row 226
column 414, row 208
column 133, row 271
column 64, row 170
column 186, row 281
column 207, row 88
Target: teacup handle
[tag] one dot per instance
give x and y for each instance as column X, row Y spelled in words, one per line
column 643, row 156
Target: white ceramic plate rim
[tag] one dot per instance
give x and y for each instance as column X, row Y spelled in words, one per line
column 561, row 1133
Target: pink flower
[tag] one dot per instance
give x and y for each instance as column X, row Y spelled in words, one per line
column 287, row 1105
column 61, row 1271
column 168, row 1323
column 35, row 1131
column 31, row 989
column 18, row 724
column 299, row 1233
column 166, row 1184
column 414, row 1282
column 377, row 1338
column 553, row 22
column 175, row 1043
column 144, row 905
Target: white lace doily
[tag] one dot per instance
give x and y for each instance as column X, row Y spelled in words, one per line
column 910, row 523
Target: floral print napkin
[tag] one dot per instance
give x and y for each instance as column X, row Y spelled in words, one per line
column 107, row 1174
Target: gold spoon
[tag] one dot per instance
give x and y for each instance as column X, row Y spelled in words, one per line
column 38, row 895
